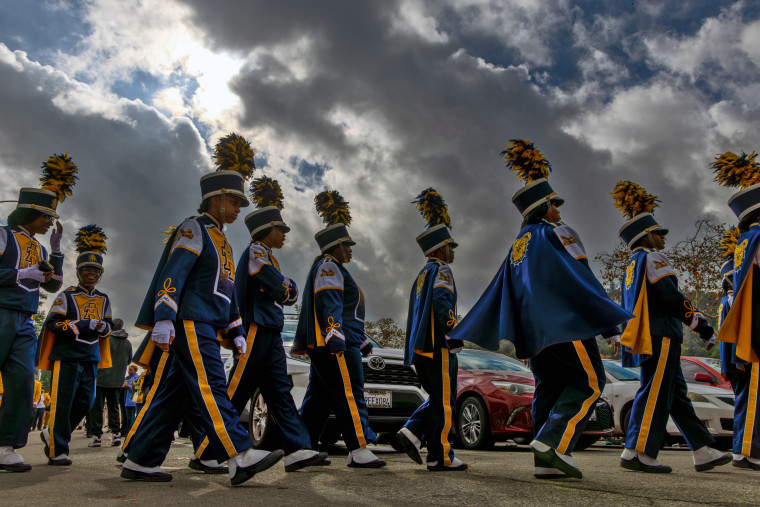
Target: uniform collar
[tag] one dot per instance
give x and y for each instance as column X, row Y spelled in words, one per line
column 330, row 258
column 437, row 261
column 269, row 250
column 23, row 229
column 214, row 220
column 90, row 293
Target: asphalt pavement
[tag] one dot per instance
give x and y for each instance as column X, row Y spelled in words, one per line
column 503, row 476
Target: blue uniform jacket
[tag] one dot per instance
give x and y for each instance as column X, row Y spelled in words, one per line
column 195, row 280
column 742, row 324
column 66, row 333
column 432, row 311
column 19, row 250
column 544, row 294
column 264, row 290
column 729, row 363
column 332, row 309
column 650, row 292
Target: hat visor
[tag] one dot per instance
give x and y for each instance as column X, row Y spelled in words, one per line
column 662, row 230
column 557, row 200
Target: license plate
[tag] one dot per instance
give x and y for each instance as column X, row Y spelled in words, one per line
column 378, row 399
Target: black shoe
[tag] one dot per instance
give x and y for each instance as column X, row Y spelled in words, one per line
column 243, row 474
column 44, row 442
column 121, row 458
column 134, row 475
column 16, row 467
column 637, row 466
column 59, row 462
column 554, row 461
column 316, row 460
column 409, row 448
column 723, row 460
column 196, row 464
column 745, row 463
column 440, row 467
column 375, row 463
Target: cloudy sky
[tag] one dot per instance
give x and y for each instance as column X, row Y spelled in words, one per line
column 378, row 100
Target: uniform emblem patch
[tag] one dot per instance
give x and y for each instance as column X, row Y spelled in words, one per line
column 258, row 255
column 567, row 240
column 520, row 248
column 660, row 264
column 445, row 278
column 58, row 302
column 420, row 281
column 739, row 254
column 186, row 233
column 92, row 258
column 327, row 272
column 629, row 274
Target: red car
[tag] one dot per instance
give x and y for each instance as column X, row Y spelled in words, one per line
column 703, row 370
column 494, row 397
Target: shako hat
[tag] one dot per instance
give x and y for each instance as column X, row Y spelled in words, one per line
column 266, row 194
column 743, row 171
column 636, row 204
column 91, row 246
column 531, row 166
column 59, row 175
column 434, row 210
column 234, row 160
column 727, row 249
column 336, row 214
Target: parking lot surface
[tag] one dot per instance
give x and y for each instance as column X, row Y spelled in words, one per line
column 503, row 476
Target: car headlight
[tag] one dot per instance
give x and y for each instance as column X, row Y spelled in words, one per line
column 698, row 398
column 513, row 387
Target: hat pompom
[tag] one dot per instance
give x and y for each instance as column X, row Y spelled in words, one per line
column 732, row 170
column 90, row 238
column 332, row 208
column 234, row 153
column 728, row 242
column 59, row 175
column 524, row 159
column 266, row 192
column 432, row 207
column 631, row 199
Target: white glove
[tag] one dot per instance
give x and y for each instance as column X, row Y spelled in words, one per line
column 240, row 344
column 55, row 240
column 93, row 324
column 456, row 350
column 163, row 331
column 33, row 273
column 103, row 327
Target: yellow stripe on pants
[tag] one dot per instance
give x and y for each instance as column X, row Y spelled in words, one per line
column 593, row 382
column 159, row 373
column 654, row 393
column 350, row 399
column 53, row 404
column 208, row 396
column 749, row 420
column 446, row 406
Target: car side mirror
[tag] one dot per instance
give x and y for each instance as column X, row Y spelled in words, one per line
column 703, row 377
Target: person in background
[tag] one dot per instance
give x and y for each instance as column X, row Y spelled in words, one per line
column 46, row 417
column 109, row 386
column 39, row 406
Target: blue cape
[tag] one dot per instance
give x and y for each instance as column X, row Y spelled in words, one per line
column 636, row 339
column 737, row 326
column 541, row 296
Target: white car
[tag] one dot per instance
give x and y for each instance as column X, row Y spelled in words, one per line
column 714, row 406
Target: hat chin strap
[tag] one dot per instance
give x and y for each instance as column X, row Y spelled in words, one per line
column 223, row 212
column 651, row 240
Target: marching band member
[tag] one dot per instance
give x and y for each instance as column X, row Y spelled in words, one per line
column 331, row 331
column 190, row 304
column 262, row 291
column 652, row 339
column 25, row 266
column 432, row 314
column 740, row 329
column 74, row 344
column 547, row 301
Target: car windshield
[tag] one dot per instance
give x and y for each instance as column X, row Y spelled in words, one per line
column 712, row 362
column 481, row 360
column 289, row 332
column 619, row 372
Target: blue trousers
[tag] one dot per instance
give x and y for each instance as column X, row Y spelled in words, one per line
column 72, row 393
column 569, row 379
column 195, row 376
column 663, row 394
column 433, row 420
column 336, row 382
column 18, row 346
column 746, row 421
column 264, row 366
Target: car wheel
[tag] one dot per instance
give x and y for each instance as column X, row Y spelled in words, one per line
column 624, row 418
column 261, row 425
column 474, row 424
column 585, row 441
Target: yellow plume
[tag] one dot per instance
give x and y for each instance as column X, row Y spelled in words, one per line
column 631, row 199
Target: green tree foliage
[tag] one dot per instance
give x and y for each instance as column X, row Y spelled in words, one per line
column 386, row 332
